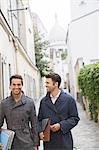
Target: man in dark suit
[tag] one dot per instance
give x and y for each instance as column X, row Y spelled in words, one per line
column 19, row 113
column 61, row 108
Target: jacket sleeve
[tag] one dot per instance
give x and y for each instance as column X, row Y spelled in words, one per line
column 72, row 120
column 40, row 117
column 1, row 114
column 34, row 125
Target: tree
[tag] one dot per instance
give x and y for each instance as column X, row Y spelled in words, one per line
column 88, row 81
column 40, row 53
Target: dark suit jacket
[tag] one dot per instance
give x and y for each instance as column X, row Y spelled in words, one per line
column 18, row 116
column 64, row 111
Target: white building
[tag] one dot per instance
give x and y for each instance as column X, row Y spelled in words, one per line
column 57, row 37
column 83, row 36
column 17, row 53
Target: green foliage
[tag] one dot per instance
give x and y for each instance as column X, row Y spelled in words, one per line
column 40, row 53
column 88, row 81
column 64, row 54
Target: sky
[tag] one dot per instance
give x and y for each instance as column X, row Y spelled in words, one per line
column 46, row 10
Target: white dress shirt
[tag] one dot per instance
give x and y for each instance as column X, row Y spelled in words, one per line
column 54, row 98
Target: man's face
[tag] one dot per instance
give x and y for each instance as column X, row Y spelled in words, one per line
column 16, row 86
column 50, row 85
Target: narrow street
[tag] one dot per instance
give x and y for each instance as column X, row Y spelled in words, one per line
column 85, row 134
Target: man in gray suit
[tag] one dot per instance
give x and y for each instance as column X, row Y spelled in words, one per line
column 19, row 112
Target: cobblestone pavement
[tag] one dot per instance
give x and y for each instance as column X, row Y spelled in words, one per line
column 86, row 133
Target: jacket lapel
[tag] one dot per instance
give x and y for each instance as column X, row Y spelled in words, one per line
column 49, row 103
column 21, row 102
column 58, row 104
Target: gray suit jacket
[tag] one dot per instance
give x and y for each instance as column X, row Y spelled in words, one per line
column 19, row 117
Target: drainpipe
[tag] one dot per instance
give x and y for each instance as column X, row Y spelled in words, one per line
column 16, row 51
column 0, row 78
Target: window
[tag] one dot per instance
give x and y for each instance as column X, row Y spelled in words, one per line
column 82, row 2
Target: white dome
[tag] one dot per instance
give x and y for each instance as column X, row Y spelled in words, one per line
column 57, row 33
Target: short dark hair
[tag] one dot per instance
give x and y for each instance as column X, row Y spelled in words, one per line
column 55, row 77
column 16, row 76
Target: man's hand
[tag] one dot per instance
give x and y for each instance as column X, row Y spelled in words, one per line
column 36, row 148
column 0, row 146
column 41, row 135
column 55, row 127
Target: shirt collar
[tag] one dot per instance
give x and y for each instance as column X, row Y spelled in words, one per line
column 56, row 95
